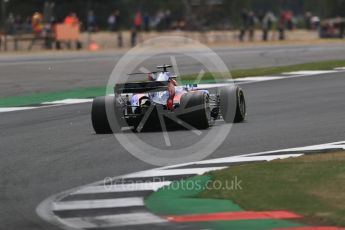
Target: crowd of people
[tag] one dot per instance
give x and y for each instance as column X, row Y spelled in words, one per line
column 268, row 22
column 43, row 24
column 144, row 21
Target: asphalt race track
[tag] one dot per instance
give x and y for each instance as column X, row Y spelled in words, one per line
column 49, row 150
column 21, row 75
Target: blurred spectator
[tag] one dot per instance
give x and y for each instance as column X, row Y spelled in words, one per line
column 37, row 28
column 282, row 24
column 18, row 22
column 138, row 20
column 342, row 30
column 73, row 20
column 114, row 25
column 48, row 19
column 244, row 24
column 119, row 29
column 137, row 24
column 112, row 21
column 157, row 22
column 133, row 36
column 307, row 20
column 162, row 21
column 289, row 19
column 37, row 23
column 315, row 22
column 146, row 19
column 91, row 21
column 251, row 25
column 267, row 23
column 10, row 24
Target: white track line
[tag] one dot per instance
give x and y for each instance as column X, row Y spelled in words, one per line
column 255, row 79
column 69, row 101
column 172, row 172
column 310, row 72
column 333, row 145
column 279, row 154
column 321, row 147
column 104, row 203
column 236, row 159
column 11, row 109
column 113, row 220
column 214, row 85
column 48, row 104
column 150, row 186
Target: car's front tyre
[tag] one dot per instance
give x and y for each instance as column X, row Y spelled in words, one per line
column 232, row 104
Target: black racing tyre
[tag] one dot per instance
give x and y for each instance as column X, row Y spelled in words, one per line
column 99, row 118
column 241, row 109
column 232, row 104
column 195, row 109
column 227, row 97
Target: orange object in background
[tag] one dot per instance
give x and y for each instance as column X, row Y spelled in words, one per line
column 71, row 19
column 93, row 46
column 67, row 32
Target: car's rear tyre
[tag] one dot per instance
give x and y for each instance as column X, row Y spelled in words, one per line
column 99, row 118
column 241, row 109
column 195, row 109
column 232, row 97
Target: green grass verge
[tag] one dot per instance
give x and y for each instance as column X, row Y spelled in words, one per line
column 53, row 96
column 181, row 198
column 186, row 79
column 310, row 185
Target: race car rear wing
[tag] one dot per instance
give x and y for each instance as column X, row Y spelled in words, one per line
column 141, row 87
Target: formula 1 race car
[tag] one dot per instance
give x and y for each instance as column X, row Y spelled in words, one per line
column 160, row 103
